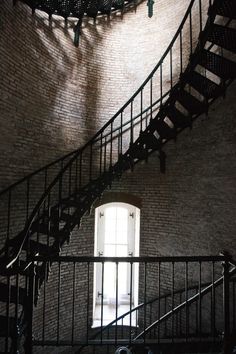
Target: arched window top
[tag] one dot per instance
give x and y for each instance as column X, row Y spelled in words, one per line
column 120, row 197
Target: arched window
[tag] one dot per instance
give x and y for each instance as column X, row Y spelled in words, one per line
column 116, row 235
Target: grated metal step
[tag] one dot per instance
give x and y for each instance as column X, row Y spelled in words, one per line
column 218, row 65
column 203, row 85
column 224, row 37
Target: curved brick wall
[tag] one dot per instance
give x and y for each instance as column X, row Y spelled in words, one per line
column 54, row 96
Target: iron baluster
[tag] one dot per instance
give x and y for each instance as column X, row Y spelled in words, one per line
column 159, row 298
column 165, row 311
column 197, row 311
column 151, row 108
column 181, row 52
column 44, row 301
column 130, row 301
column 171, row 69
column 161, row 88
column 58, row 302
column 8, row 313
column 105, row 155
column 172, row 299
column 213, row 303
column 29, row 312
column 145, row 299
column 191, row 32
column 234, row 305
column 200, row 15
column 102, row 299
column 117, row 293
column 49, row 219
column 88, row 300
column 186, row 301
column 121, row 133
column 90, row 162
column 80, row 169
column 226, row 309
column 73, row 303
column 131, row 124
column 76, row 174
column 200, row 300
column 141, row 109
column 111, row 143
column 16, row 339
column 70, row 180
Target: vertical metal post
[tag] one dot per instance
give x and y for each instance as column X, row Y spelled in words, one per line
column 76, row 174
column 191, row 32
column 159, row 298
column 80, row 170
column 8, row 313
column 181, row 51
column 161, row 88
column 90, row 162
column 131, row 124
column 172, row 300
column 121, row 133
column 151, row 98
column 117, row 294
column 73, row 303
column 111, row 143
column 130, row 300
column 29, row 312
column 58, row 302
column 88, row 302
column 100, row 160
column 186, row 301
column 213, row 302
column 200, row 300
column 141, row 109
column 102, row 301
column 200, row 15
column 69, row 187
column 171, row 69
column 145, row 300
column 226, row 309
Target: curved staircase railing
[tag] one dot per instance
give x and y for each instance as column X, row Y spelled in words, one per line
column 47, row 205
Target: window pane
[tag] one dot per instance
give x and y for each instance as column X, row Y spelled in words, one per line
column 121, row 251
column 122, row 279
column 109, row 250
column 109, row 280
column 110, row 225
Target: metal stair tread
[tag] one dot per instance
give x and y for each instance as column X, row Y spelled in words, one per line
column 218, row 65
column 178, row 119
column 190, row 103
column 163, row 129
column 222, row 36
column 203, row 85
column 226, row 8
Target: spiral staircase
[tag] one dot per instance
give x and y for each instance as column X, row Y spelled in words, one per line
column 41, row 210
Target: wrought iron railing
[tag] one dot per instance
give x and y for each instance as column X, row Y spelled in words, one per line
column 166, row 312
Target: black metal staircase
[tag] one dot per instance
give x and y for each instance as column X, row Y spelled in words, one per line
column 47, row 205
